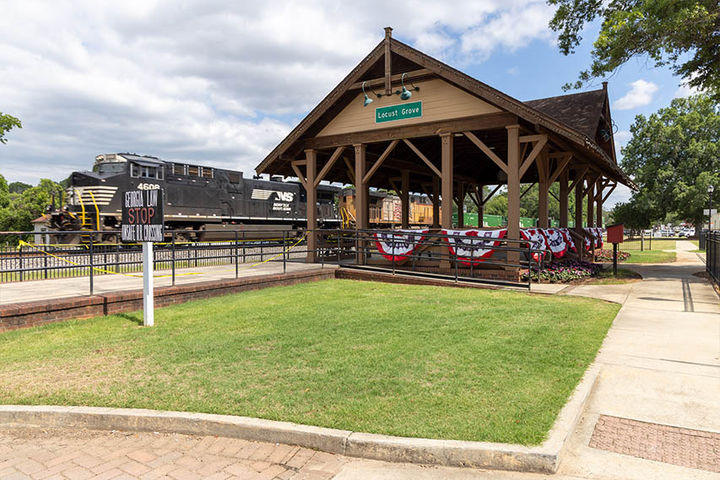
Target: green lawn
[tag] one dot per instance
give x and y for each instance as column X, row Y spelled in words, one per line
column 656, row 255
column 404, row 360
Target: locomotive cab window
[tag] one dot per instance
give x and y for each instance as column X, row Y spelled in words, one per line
column 134, row 170
column 151, row 172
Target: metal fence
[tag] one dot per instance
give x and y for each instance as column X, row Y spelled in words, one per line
column 712, row 255
column 22, row 261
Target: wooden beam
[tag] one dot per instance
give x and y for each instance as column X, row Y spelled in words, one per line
column 299, row 174
column 361, row 189
column 388, row 61
column 561, row 166
column 422, row 157
column 378, row 82
column 311, row 209
column 446, row 146
column 579, row 178
column 333, row 158
column 380, row 160
column 527, row 189
column 532, row 138
column 479, row 122
column 486, row 150
column 351, row 171
column 539, row 145
column 612, row 188
column 490, row 195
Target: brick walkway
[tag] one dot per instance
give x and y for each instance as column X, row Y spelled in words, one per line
column 663, row 443
column 37, row 453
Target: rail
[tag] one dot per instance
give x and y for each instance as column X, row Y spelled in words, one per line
column 712, row 255
column 22, row 261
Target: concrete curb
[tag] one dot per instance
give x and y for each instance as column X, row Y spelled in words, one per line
column 541, row 459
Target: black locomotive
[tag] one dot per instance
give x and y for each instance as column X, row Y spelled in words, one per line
column 202, row 203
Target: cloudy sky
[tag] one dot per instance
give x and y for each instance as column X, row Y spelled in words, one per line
column 221, row 83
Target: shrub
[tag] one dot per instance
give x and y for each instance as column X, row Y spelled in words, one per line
column 562, row 272
column 607, row 256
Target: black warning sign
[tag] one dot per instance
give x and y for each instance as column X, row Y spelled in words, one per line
column 142, row 216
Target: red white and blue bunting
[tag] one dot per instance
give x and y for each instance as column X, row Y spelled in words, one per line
column 593, row 235
column 556, row 242
column 537, row 240
column 473, row 246
column 568, row 238
column 397, row 245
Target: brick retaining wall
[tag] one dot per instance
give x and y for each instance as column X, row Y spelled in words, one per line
column 30, row 314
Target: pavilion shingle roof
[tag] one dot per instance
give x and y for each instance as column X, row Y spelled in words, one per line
column 580, row 111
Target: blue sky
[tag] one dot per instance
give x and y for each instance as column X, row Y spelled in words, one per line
column 221, row 83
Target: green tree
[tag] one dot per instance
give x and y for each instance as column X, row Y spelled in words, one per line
column 7, row 123
column 634, row 215
column 683, row 34
column 4, row 193
column 18, row 187
column 23, row 208
column 673, row 156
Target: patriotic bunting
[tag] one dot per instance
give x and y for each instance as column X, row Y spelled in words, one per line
column 597, row 233
column 556, row 242
column 537, row 241
column 473, row 246
column 397, row 245
column 568, row 238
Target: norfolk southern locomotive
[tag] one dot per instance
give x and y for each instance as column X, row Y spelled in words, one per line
column 201, row 202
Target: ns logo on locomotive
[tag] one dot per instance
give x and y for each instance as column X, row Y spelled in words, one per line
column 201, row 202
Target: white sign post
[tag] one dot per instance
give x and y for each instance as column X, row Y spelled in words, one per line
column 142, row 222
column 148, row 300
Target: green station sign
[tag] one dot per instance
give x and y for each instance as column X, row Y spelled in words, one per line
column 398, row 112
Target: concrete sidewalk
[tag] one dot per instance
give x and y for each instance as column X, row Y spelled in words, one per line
column 35, row 290
column 660, row 364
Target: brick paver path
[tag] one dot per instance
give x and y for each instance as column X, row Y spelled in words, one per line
column 663, row 443
column 41, row 453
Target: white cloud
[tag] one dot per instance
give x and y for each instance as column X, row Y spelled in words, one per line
column 208, row 81
column 685, row 90
column 640, row 94
column 620, row 195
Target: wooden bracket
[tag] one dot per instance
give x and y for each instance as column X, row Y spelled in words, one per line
column 423, row 157
column 579, row 178
column 295, row 164
column 486, row 150
column 351, row 170
column 527, row 190
column 380, row 160
column 562, row 163
column 540, row 140
column 333, row 158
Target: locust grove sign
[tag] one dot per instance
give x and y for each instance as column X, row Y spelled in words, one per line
column 142, row 216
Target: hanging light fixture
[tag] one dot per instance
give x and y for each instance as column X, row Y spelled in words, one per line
column 368, row 100
column 405, row 94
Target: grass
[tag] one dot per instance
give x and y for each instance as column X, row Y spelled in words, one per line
column 656, row 255
column 606, row 277
column 415, row 361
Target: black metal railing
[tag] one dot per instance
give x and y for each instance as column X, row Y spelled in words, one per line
column 22, row 261
column 712, row 255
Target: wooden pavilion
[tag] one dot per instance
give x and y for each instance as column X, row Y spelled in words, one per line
column 405, row 121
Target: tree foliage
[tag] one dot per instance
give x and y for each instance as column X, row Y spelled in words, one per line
column 683, row 34
column 673, row 156
column 18, row 210
column 7, row 123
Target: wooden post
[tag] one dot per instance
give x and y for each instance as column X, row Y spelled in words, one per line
column 436, row 202
column 461, row 205
column 361, row 197
column 481, row 205
column 388, row 61
column 405, row 198
column 564, row 198
column 543, row 164
column 447, row 180
column 590, row 202
column 579, row 186
column 513, row 186
column 311, row 193
column 599, row 203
